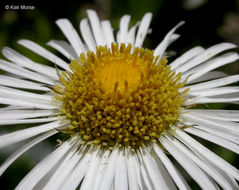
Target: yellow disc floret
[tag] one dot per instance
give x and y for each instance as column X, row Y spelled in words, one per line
column 119, row 95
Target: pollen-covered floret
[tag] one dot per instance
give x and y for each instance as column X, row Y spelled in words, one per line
column 119, row 95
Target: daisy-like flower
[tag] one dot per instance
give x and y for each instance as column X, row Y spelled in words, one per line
column 128, row 113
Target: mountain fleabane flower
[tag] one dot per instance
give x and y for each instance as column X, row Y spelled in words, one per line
column 125, row 109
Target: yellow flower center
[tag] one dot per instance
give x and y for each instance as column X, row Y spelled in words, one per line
column 119, row 96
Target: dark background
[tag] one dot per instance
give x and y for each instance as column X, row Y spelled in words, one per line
column 213, row 22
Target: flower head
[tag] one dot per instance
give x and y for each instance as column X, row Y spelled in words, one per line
column 124, row 108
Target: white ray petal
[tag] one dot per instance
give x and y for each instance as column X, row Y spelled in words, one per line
column 19, row 83
column 26, row 103
column 24, row 114
column 210, row 65
column 63, row 169
column 193, row 170
column 131, row 34
column 144, row 175
column 208, row 76
column 223, row 134
column 123, row 31
column 18, row 58
column 204, row 100
column 96, row 28
column 215, row 91
column 214, row 139
column 121, row 178
column 20, row 71
column 156, row 174
column 214, row 83
column 24, row 121
column 139, row 176
column 207, row 154
column 11, row 92
column 227, row 126
column 143, row 29
column 72, row 35
column 90, row 176
column 23, row 134
column 174, row 173
column 108, row 32
column 186, row 57
column 132, row 175
column 44, row 53
column 76, row 176
column 207, row 54
column 203, row 165
column 41, row 169
column 160, row 49
column 23, row 149
column 101, row 169
column 107, row 179
column 87, row 34
column 224, row 115
column 64, row 48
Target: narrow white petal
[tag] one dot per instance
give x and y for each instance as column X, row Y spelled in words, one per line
column 20, row 83
column 72, row 35
column 132, row 175
column 160, row 49
column 24, row 121
column 108, row 177
column 139, row 175
column 20, row 71
column 18, row 58
column 90, row 176
column 131, row 35
column 223, row 134
column 186, row 57
column 20, row 135
column 108, row 32
column 209, row 169
column 87, row 34
column 143, row 29
column 123, row 31
column 77, row 175
column 207, row 54
column 64, row 48
column 23, row 149
column 204, row 100
column 11, row 92
column 156, row 174
column 174, row 173
column 26, row 103
column 44, row 53
column 193, row 170
column 215, row 91
column 224, row 115
column 207, row 154
column 208, row 76
column 24, row 114
column 121, row 178
column 41, row 169
column 144, row 175
column 213, row 123
column 96, row 28
column 63, row 169
column 101, row 169
column 214, row 83
column 214, row 139
column 210, row 65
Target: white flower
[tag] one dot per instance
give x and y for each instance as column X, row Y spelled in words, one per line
column 124, row 109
